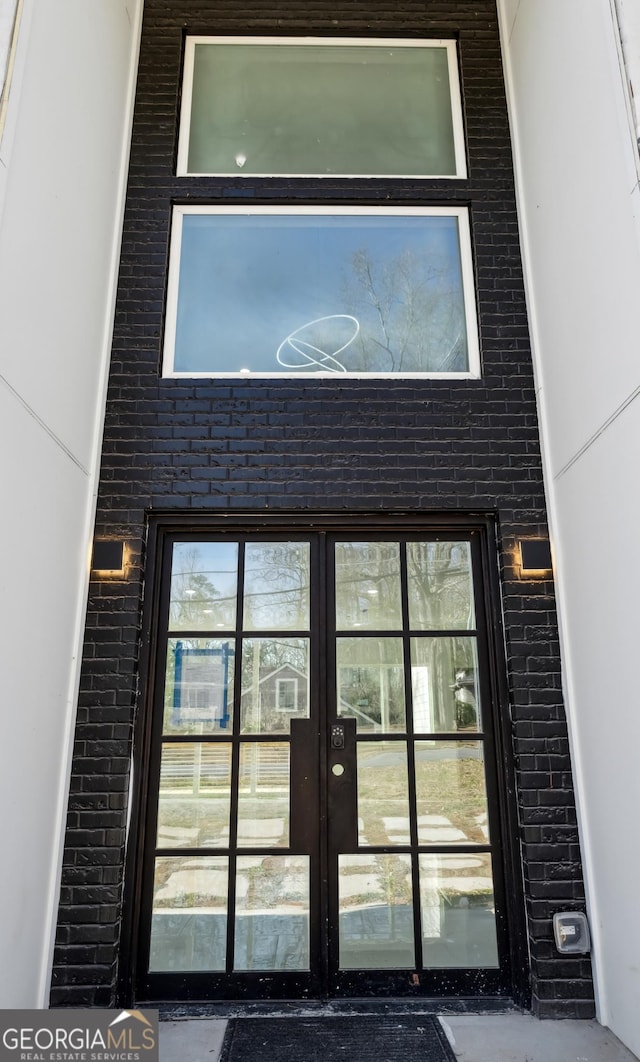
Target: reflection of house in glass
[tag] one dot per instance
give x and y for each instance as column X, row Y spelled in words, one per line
column 201, row 686
column 283, row 693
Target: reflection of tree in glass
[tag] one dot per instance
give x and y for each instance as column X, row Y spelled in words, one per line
column 440, row 588
column 368, row 585
column 371, row 682
column 441, row 598
column 411, row 314
column 276, row 591
column 193, row 593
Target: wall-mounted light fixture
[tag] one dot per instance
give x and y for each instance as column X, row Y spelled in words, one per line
column 535, row 556
column 108, row 556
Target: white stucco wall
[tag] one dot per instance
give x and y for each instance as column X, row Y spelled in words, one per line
column 62, row 172
column 579, row 204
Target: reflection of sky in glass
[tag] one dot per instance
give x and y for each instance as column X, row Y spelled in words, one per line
column 247, row 282
column 203, row 584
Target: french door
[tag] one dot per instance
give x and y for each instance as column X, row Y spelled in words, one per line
column 323, row 813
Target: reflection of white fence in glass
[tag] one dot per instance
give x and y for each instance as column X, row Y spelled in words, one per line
column 310, row 354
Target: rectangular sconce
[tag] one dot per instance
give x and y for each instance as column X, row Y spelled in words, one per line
column 108, row 556
column 535, row 556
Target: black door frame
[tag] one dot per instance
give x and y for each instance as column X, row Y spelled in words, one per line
column 291, row 986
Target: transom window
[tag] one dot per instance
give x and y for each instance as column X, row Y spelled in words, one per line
column 333, row 291
column 293, row 106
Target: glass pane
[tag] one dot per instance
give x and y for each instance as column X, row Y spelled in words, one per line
column 319, row 109
column 189, row 920
column 198, row 693
column 272, row 913
column 440, row 586
column 451, row 793
column 195, row 791
column 444, row 681
column 368, row 586
column 275, row 292
column 371, row 683
column 263, row 796
column 275, row 684
column 376, row 912
column 204, row 577
column 458, row 916
column 383, row 793
column 276, row 586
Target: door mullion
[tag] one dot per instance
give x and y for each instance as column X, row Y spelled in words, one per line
column 411, row 757
column 235, row 766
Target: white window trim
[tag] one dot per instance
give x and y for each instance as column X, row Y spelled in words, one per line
column 468, row 289
column 370, row 42
column 279, row 683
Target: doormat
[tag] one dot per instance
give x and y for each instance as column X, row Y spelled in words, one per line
column 405, row 1038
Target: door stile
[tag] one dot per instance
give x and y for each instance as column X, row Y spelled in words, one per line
column 322, row 686
column 411, row 764
column 235, row 771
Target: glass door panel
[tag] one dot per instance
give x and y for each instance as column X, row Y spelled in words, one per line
column 263, row 796
column 451, row 792
column 189, row 922
column 275, row 684
column 370, row 683
column 272, row 913
column 195, row 796
column 276, row 586
column 367, row 586
column 457, row 908
column 383, row 793
column 376, row 912
column 444, row 674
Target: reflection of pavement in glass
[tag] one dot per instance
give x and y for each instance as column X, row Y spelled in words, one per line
column 394, row 823
column 459, row 862
column 465, row 885
column 440, row 835
column 432, row 829
column 263, row 832
column 368, row 863
column 392, row 757
column 200, row 882
column 364, row 884
column 483, row 825
column 178, row 837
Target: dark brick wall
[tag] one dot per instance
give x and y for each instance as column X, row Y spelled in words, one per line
column 420, row 446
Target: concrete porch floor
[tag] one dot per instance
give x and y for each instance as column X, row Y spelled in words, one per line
column 512, row 1037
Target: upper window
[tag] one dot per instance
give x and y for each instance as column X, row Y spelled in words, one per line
column 317, row 107
column 324, row 290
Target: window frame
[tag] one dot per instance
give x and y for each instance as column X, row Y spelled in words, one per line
column 462, row 214
column 455, row 95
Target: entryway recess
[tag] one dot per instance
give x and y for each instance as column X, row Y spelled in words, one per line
column 323, row 810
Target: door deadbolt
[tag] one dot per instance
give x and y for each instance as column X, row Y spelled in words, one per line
column 337, row 736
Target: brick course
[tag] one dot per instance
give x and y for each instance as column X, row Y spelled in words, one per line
column 351, row 446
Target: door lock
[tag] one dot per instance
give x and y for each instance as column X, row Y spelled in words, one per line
column 337, row 736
